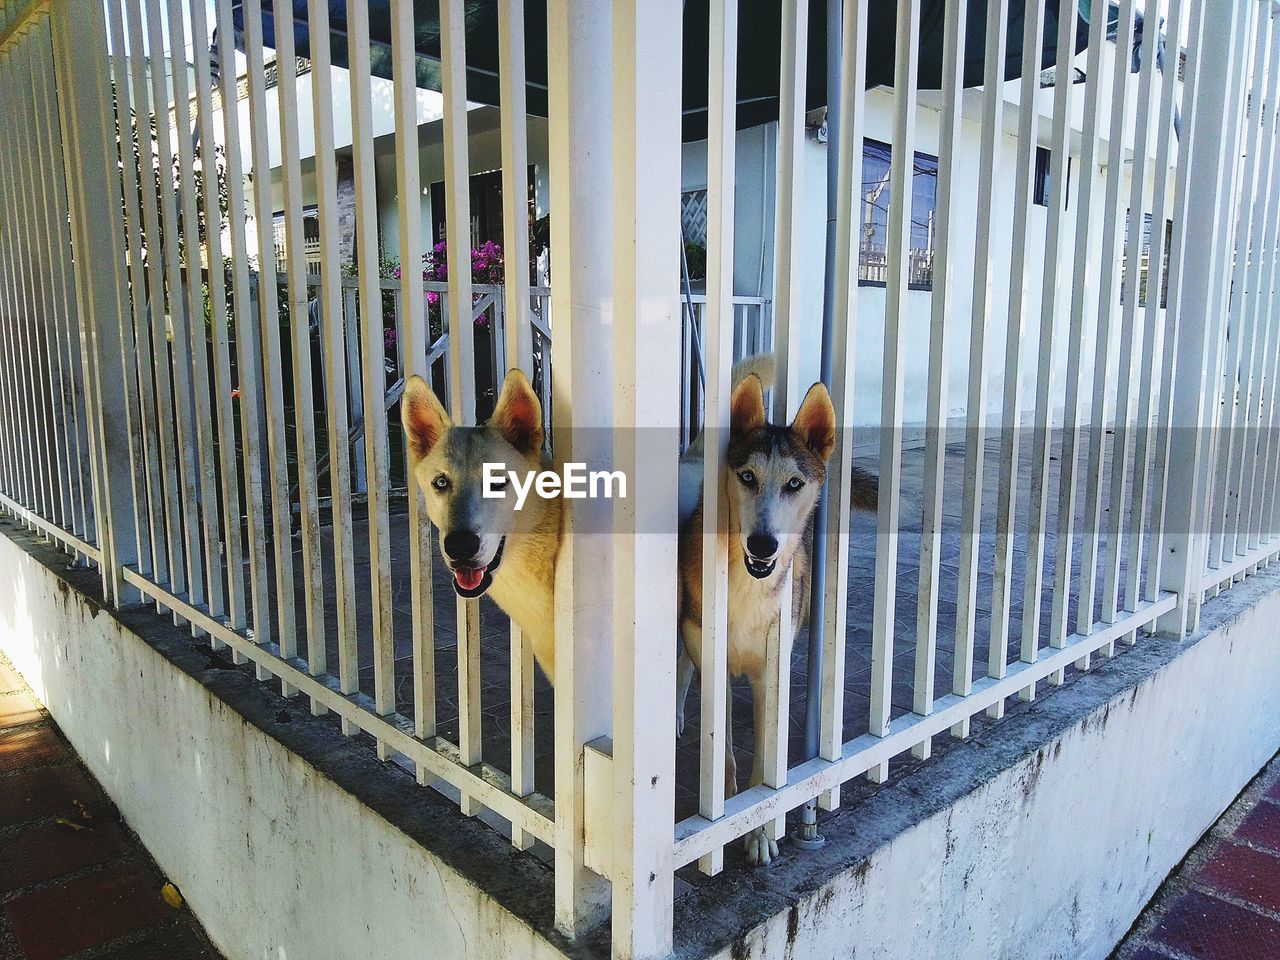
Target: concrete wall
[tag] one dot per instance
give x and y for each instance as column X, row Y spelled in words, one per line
column 1042, row 838
column 278, row 855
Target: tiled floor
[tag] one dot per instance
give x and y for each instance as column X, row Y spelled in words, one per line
column 74, row 881
column 1223, row 902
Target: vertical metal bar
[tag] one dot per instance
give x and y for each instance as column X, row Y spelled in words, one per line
column 1200, row 258
column 269, row 337
column 1107, row 307
column 154, row 562
column 581, row 168
column 82, row 63
column 716, row 697
column 1247, row 307
column 1265, row 316
column 788, row 255
column 646, row 53
column 1129, row 329
column 1083, row 288
column 247, row 381
column 149, row 187
column 45, row 324
column 457, row 210
column 375, row 420
column 1225, row 493
column 1049, row 310
column 300, row 341
column 788, row 207
column 976, row 438
column 1224, row 346
column 8, row 453
column 461, row 331
column 57, row 185
column 807, row 825
column 1169, row 202
column 193, row 338
column 337, row 389
column 15, row 445
column 906, row 56
column 1264, row 467
column 28, row 351
column 853, row 115
column 935, row 442
column 411, row 315
column 175, row 310
column 976, row 403
column 233, row 547
column 518, row 330
column 67, row 183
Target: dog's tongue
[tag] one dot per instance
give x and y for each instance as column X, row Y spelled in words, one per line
column 468, row 578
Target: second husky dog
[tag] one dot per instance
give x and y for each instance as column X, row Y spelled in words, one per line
column 770, row 487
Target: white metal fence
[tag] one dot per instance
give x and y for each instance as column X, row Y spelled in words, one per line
column 201, row 436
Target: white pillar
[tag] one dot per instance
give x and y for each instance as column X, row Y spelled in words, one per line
column 89, row 136
column 1206, row 232
column 580, row 99
column 646, row 322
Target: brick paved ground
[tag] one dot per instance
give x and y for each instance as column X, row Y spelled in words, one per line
column 74, row 881
column 1223, row 902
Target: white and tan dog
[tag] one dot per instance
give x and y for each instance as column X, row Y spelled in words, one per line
column 489, row 545
column 771, row 485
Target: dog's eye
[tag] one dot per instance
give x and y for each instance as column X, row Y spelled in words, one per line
column 747, row 477
column 795, row 483
column 499, row 483
column 441, row 483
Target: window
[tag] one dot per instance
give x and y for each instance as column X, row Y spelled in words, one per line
column 1041, row 189
column 1145, row 261
column 1041, row 184
column 873, row 239
column 310, row 239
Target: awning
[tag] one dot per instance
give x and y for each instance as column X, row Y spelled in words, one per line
column 758, row 49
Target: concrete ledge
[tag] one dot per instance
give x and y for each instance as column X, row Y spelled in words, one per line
column 289, row 841
column 1043, row 836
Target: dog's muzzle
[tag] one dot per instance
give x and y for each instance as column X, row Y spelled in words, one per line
column 470, row 582
column 758, row 568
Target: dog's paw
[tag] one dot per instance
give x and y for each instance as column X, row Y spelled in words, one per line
column 679, row 722
column 760, row 849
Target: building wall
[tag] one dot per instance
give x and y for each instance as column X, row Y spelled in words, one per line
column 754, row 199
column 754, row 244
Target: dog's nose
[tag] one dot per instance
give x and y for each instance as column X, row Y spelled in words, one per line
column 461, row 544
column 762, row 545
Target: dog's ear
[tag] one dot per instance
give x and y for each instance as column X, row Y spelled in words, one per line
column 746, row 406
column 815, row 422
column 518, row 415
column 424, row 417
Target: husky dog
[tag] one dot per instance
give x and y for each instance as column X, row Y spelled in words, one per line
column 770, row 488
column 487, row 544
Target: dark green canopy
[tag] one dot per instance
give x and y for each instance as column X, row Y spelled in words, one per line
column 758, row 49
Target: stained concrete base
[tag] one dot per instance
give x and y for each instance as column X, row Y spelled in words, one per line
column 1041, row 837
column 289, row 841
